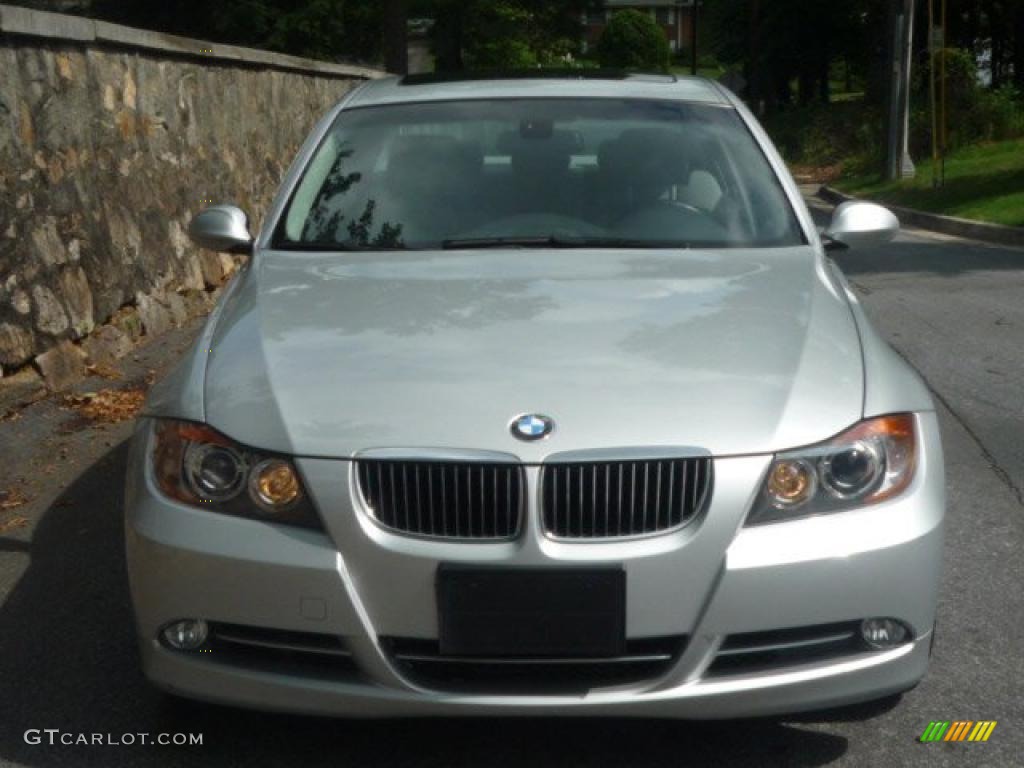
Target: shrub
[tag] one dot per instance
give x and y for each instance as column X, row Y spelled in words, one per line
column 1000, row 114
column 828, row 134
column 973, row 113
column 508, row 54
column 560, row 53
column 962, row 86
column 633, row 40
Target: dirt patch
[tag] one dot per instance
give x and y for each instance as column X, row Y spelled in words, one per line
column 811, row 174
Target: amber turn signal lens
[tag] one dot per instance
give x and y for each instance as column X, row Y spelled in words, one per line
column 896, row 434
column 274, row 485
column 170, row 447
column 791, row 482
column 168, row 454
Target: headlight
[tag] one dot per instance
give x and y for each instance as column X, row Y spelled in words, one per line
column 868, row 463
column 197, row 465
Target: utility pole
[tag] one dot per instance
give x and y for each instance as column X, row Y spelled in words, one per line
column 898, row 164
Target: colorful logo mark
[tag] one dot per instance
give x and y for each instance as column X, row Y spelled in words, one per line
column 958, row 730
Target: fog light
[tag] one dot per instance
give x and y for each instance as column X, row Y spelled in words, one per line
column 883, row 633
column 187, row 634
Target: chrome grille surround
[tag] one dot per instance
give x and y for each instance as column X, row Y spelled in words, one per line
column 618, row 499
column 443, row 499
column 312, row 655
column 758, row 652
column 421, row 662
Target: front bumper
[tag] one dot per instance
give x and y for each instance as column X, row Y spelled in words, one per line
column 710, row 581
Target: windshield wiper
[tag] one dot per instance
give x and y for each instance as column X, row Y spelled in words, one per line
column 461, row 243
column 330, row 247
column 514, row 241
column 559, row 241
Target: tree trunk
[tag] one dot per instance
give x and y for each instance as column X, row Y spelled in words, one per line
column 805, row 83
column 997, row 32
column 756, row 81
column 447, row 37
column 396, row 37
column 1018, row 47
column 823, row 77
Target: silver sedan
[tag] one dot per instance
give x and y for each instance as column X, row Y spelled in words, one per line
column 537, row 397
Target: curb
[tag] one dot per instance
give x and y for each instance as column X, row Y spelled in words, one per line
column 947, row 225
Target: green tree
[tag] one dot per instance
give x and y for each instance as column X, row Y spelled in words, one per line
column 504, row 34
column 325, row 29
column 778, row 42
column 633, row 40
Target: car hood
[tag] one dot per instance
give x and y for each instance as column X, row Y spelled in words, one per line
column 726, row 352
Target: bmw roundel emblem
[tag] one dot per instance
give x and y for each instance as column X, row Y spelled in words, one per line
column 532, row 426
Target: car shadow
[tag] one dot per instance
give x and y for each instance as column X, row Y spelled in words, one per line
column 68, row 661
column 938, row 259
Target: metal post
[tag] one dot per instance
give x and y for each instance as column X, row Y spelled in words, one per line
column 898, row 162
column 907, row 170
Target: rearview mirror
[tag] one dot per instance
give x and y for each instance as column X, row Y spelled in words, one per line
column 222, row 228
column 856, row 223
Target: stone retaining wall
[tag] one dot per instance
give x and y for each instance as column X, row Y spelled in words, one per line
column 111, row 139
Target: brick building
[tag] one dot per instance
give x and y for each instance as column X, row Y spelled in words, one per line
column 673, row 16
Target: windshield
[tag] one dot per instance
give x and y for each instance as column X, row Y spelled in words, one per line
column 549, row 172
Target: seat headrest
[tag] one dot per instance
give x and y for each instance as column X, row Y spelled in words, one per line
column 661, row 152
column 431, row 162
column 554, row 151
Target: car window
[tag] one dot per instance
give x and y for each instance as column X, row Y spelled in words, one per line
column 583, row 171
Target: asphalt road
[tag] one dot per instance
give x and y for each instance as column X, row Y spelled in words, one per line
column 955, row 309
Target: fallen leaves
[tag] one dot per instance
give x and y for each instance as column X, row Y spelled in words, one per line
column 108, row 406
column 12, row 499
column 103, row 371
column 13, row 522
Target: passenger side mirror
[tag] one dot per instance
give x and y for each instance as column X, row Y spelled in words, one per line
column 856, row 223
column 222, row 228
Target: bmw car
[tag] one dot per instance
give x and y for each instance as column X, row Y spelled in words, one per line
column 537, row 396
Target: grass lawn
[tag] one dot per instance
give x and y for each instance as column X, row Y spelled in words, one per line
column 984, row 182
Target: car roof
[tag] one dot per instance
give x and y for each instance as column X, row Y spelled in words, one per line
column 537, row 84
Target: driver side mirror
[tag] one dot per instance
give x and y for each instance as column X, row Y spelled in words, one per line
column 222, row 228
column 856, row 223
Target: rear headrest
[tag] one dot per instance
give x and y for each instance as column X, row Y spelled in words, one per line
column 651, row 155
column 554, row 151
column 432, row 162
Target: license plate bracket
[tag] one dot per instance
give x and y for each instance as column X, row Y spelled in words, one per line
column 531, row 612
